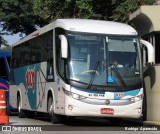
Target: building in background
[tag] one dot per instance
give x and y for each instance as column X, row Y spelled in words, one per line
column 147, row 22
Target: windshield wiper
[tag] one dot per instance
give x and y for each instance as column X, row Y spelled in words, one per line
column 94, row 73
column 119, row 76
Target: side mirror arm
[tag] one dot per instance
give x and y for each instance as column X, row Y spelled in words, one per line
column 64, row 46
column 150, row 49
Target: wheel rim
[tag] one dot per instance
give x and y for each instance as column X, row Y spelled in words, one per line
column 50, row 109
column 50, row 106
column 19, row 105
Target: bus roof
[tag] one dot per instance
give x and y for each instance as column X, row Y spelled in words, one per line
column 84, row 25
column 96, row 26
column 5, row 54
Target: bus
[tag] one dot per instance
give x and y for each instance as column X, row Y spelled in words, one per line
column 5, row 57
column 66, row 69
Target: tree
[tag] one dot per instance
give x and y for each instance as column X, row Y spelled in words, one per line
column 103, row 9
column 18, row 16
column 54, row 9
column 125, row 7
column 149, row 2
column 3, row 42
column 25, row 16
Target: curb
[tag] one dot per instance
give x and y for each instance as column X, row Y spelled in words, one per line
column 152, row 123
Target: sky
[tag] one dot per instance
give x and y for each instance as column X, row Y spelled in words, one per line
column 11, row 39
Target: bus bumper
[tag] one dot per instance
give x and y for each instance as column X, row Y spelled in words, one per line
column 75, row 107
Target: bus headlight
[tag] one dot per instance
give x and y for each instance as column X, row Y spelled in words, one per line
column 73, row 95
column 136, row 98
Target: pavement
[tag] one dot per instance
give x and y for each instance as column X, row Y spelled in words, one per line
column 137, row 122
column 151, row 123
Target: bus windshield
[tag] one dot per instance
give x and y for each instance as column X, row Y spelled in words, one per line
column 5, row 64
column 104, row 60
column 4, row 70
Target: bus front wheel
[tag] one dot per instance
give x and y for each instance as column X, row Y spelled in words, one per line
column 50, row 109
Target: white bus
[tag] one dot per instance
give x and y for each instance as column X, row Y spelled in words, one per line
column 78, row 67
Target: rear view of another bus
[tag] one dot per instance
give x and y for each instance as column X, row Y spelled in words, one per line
column 4, row 74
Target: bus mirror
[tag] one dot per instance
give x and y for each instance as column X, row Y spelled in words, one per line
column 64, row 46
column 150, row 50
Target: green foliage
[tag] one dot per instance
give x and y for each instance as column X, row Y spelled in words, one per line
column 54, row 9
column 25, row 16
column 125, row 7
column 8, row 48
column 3, row 42
column 48, row 9
column 149, row 2
column 104, row 8
column 17, row 16
column 83, row 9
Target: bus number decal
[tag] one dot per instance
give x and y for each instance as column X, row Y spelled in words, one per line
column 30, row 79
column 119, row 95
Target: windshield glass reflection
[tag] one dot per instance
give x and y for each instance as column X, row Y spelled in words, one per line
column 93, row 58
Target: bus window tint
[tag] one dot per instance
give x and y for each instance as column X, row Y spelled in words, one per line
column 36, row 50
column 3, row 72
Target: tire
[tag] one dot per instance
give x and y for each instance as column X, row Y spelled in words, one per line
column 144, row 105
column 29, row 114
column 21, row 113
column 144, row 110
column 39, row 114
column 50, row 109
column 69, row 119
column 8, row 111
column 115, row 121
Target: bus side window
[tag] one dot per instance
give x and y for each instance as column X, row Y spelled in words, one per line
column 49, row 56
column 3, row 71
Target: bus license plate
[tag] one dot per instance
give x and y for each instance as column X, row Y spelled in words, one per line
column 107, row 111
